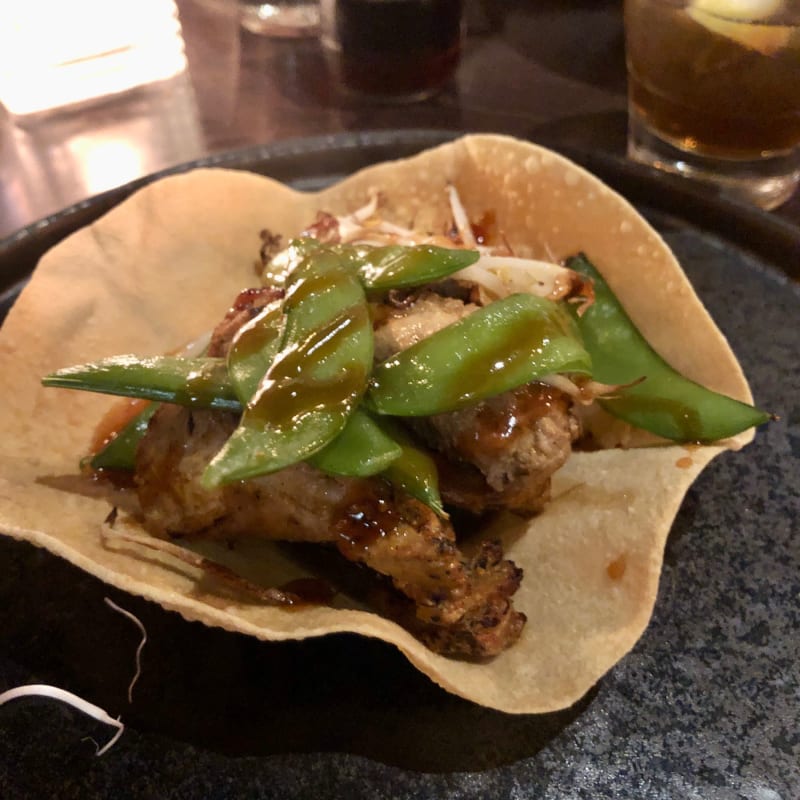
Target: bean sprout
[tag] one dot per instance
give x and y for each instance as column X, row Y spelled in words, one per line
column 136, row 621
column 63, row 696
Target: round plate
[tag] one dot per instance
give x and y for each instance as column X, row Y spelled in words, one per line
column 706, row 706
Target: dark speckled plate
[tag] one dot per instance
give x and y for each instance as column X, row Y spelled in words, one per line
column 707, row 706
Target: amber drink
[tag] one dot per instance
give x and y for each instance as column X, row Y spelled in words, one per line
column 714, row 92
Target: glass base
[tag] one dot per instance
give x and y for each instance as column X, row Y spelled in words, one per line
column 767, row 182
column 288, row 19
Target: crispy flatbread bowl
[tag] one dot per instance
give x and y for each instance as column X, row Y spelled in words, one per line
column 164, row 266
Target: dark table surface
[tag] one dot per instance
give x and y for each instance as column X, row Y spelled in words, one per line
column 705, row 707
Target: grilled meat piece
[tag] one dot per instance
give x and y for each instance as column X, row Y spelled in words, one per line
column 170, row 460
column 246, row 306
column 515, row 441
column 499, row 453
column 462, row 605
column 493, row 623
column 401, row 325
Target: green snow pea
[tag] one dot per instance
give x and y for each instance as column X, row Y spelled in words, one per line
column 253, row 350
column 369, row 446
column 194, row 382
column 120, row 452
column 414, row 471
column 277, row 270
column 493, row 350
column 315, row 381
column 402, row 266
column 665, row 402
column 379, row 267
column 363, row 448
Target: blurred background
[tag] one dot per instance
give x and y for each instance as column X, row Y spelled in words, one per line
column 139, row 87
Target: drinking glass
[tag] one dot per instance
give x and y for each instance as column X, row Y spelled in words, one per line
column 714, row 92
column 283, row 18
column 392, row 50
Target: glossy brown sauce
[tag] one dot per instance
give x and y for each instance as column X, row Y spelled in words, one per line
column 616, row 569
column 308, row 283
column 258, row 335
column 199, row 385
column 294, row 390
column 294, row 594
column 308, row 591
column 497, row 423
column 684, row 463
column 363, row 518
column 254, row 296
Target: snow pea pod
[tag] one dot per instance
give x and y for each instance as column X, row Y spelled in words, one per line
column 120, row 452
column 382, row 267
column 402, row 266
column 362, row 449
column 368, row 446
column 315, row 381
column 665, row 403
column 194, row 382
column 414, row 471
column 253, row 350
column 493, row 350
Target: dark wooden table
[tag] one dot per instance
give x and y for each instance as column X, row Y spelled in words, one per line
column 552, row 71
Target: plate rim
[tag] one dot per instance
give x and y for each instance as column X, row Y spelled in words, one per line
column 771, row 237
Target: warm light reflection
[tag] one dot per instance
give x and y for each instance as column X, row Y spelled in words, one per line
column 51, row 161
column 106, row 163
column 55, row 53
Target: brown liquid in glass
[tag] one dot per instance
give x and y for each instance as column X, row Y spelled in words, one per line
column 394, row 47
column 708, row 93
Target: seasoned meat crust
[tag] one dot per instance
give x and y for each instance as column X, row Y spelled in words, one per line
column 462, row 606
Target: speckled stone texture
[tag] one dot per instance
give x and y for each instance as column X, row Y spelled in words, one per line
column 706, row 707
